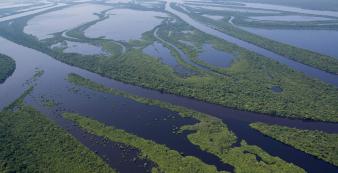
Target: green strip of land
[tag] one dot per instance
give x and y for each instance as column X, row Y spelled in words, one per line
column 29, row 142
column 320, row 144
column 307, row 57
column 167, row 160
column 210, row 134
column 246, row 84
column 7, row 67
column 217, row 139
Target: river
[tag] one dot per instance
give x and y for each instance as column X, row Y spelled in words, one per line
column 53, row 84
column 307, row 70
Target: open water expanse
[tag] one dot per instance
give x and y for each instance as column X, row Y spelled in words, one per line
column 150, row 122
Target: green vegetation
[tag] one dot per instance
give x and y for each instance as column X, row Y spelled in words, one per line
column 48, row 102
column 7, row 67
column 307, row 57
column 242, row 20
column 246, row 85
column 29, row 142
column 317, row 143
column 210, row 134
column 169, row 161
column 215, row 138
column 37, row 74
column 307, row 4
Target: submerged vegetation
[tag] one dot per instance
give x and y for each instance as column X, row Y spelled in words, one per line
column 210, row 134
column 320, row 144
column 7, row 67
column 29, row 142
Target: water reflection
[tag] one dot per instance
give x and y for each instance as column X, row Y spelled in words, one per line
column 159, row 51
column 307, row 70
column 42, row 26
column 101, row 106
column 149, row 122
column 79, row 48
column 125, row 24
column 321, row 41
column 215, row 57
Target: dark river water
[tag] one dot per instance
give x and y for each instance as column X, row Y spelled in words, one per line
column 158, row 50
column 181, row 53
column 150, row 122
column 145, row 121
column 307, row 70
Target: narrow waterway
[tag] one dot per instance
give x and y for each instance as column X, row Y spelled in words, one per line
column 149, row 122
column 181, row 53
column 238, row 121
column 184, row 56
column 307, row 70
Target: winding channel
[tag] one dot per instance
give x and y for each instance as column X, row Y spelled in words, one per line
column 53, row 82
column 149, row 122
column 183, row 55
column 307, row 70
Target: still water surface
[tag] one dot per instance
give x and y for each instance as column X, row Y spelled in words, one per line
column 157, row 124
column 79, row 48
column 125, row 24
column 42, row 26
column 215, row 57
column 321, row 41
column 307, row 70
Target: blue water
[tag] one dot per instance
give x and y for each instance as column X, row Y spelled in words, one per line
column 321, row 41
column 215, row 57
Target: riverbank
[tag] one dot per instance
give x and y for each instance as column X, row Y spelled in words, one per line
column 7, row 67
